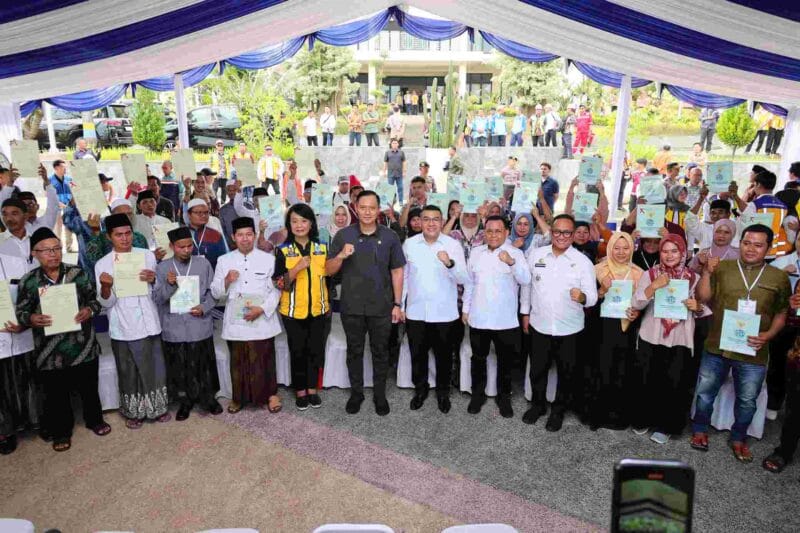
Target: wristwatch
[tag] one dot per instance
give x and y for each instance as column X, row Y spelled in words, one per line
column 451, row 264
column 397, row 305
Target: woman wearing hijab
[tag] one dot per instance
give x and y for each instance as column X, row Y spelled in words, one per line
column 471, row 232
column 677, row 206
column 524, row 235
column 582, row 240
column 646, row 255
column 661, row 374
column 413, row 224
column 723, row 233
column 608, row 398
column 340, row 219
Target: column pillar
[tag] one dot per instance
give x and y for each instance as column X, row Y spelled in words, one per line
column 620, row 135
column 462, row 79
column 372, row 80
column 790, row 145
column 180, row 111
column 51, row 134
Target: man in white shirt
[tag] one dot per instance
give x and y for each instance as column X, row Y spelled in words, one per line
column 327, row 123
column 146, row 202
column 699, row 233
column 563, row 284
column 134, row 327
column 496, row 271
column 270, row 169
column 250, row 323
column 310, row 127
column 551, row 124
column 18, row 243
column 342, row 194
column 435, row 266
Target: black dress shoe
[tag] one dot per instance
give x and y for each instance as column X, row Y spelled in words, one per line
column 354, row 404
column 532, row 415
column 417, row 401
column 183, row 413
column 504, row 404
column 554, row 422
column 215, row 409
column 444, row 404
column 475, row 404
column 381, row 407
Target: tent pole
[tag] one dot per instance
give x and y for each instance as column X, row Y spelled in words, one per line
column 180, row 111
column 51, row 134
column 620, row 135
column 790, row 145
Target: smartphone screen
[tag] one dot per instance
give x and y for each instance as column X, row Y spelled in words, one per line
column 652, row 496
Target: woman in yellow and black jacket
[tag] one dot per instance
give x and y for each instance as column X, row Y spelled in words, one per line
column 300, row 275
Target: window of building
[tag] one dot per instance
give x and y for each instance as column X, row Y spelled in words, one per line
column 479, row 44
column 409, row 42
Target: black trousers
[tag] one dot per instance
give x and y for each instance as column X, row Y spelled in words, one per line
column 537, row 140
column 311, row 141
column 562, row 350
column 422, row 336
column 372, row 139
column 761, row 135
column 356, row 328
column 776, row 371
column 550, row 138
column 56, row 387
column 306, row 340
column 773, row 140
column 790, row 434
column 506, row 346
column 272, row 183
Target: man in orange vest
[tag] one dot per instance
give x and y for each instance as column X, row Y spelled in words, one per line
column 784, row 226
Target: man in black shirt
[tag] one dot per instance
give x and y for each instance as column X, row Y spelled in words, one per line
column 371, row 262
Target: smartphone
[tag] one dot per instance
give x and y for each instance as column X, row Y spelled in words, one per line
column 652, row 496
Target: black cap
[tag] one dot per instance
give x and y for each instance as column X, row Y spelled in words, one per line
column 260, row 191
column 103, row 177
column 243, row 222
column 145, row 195
column 41, row 234
column 309, row 185
column 117, row 221
column 206, row 172
column 178, row 234
column 15, row 202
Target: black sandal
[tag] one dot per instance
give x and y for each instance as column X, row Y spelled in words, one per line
column 62, row 445
column 101, row 430
column 774, row 463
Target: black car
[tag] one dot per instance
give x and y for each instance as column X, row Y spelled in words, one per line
column 112, row 126
column 206, row 125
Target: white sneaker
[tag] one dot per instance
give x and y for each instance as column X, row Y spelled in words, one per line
column 660, row 438
column 641, row 431
column 772, row 414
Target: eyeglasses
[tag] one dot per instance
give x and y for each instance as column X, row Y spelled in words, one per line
column 49, row 251
column 431, row 219
column 199, row 213
column 560, row 233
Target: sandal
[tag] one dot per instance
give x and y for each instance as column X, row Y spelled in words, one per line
column 166, row 417
column 101, row 429
column 234, row 407
column 274, row 404
column 699, row 442
column 8, row 444
column 774, row 463
column 62, row 445
column 133, row 423
column 742, row 452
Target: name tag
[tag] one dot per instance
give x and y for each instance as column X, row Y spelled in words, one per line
column 747, row 306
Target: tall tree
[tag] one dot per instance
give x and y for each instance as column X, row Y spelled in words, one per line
column 532, row 83
column 147, row 119
column 736, row 128
column 321, row 76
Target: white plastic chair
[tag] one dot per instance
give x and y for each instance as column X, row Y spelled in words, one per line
column 353, row 528
column 16, row 525
column 481, row 528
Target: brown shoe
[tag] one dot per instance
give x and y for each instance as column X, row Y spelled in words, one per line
column 742, row 452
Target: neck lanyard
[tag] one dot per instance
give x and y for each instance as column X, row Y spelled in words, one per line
column 644, row 258
column 177, row 271
column 744, row 280
column 198, row 242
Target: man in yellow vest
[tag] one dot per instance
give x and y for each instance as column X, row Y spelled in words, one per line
column 784, row 226
column 270, row 169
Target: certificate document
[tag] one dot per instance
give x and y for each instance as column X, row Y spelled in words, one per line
column 531, row 176
column 719, row 175
column 525, row 196
column 494, row 188
column 246, row 172
column 750, row 219
column 652, row 189
column 86, row 188
column 584, row 204
column 387, row 194
column 25, row 157
column 472, row 197
column 186, row 296
column 669, row 300
column 322, row 199
column 454, row 185
column 736, row 327
column 7, row 311
column 650, row 219
column 440, row 200
column 270, row 208
column 162, row 239
column 126, row 275
column 590, row 169
column 241, row 306
column 60, row 303
column 183, row 163
column 134, row 168
column 618, row 299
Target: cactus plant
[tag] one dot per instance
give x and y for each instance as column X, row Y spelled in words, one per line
column 446, row 119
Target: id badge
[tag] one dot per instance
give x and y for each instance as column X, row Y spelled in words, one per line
column 747, row 306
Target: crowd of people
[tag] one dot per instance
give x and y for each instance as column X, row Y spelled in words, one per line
column 531, row 286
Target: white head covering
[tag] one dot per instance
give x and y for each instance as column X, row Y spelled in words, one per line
column 195, row 202
column 119, row 202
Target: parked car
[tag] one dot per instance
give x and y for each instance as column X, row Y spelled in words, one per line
column 112, row 126
column 207, row 124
